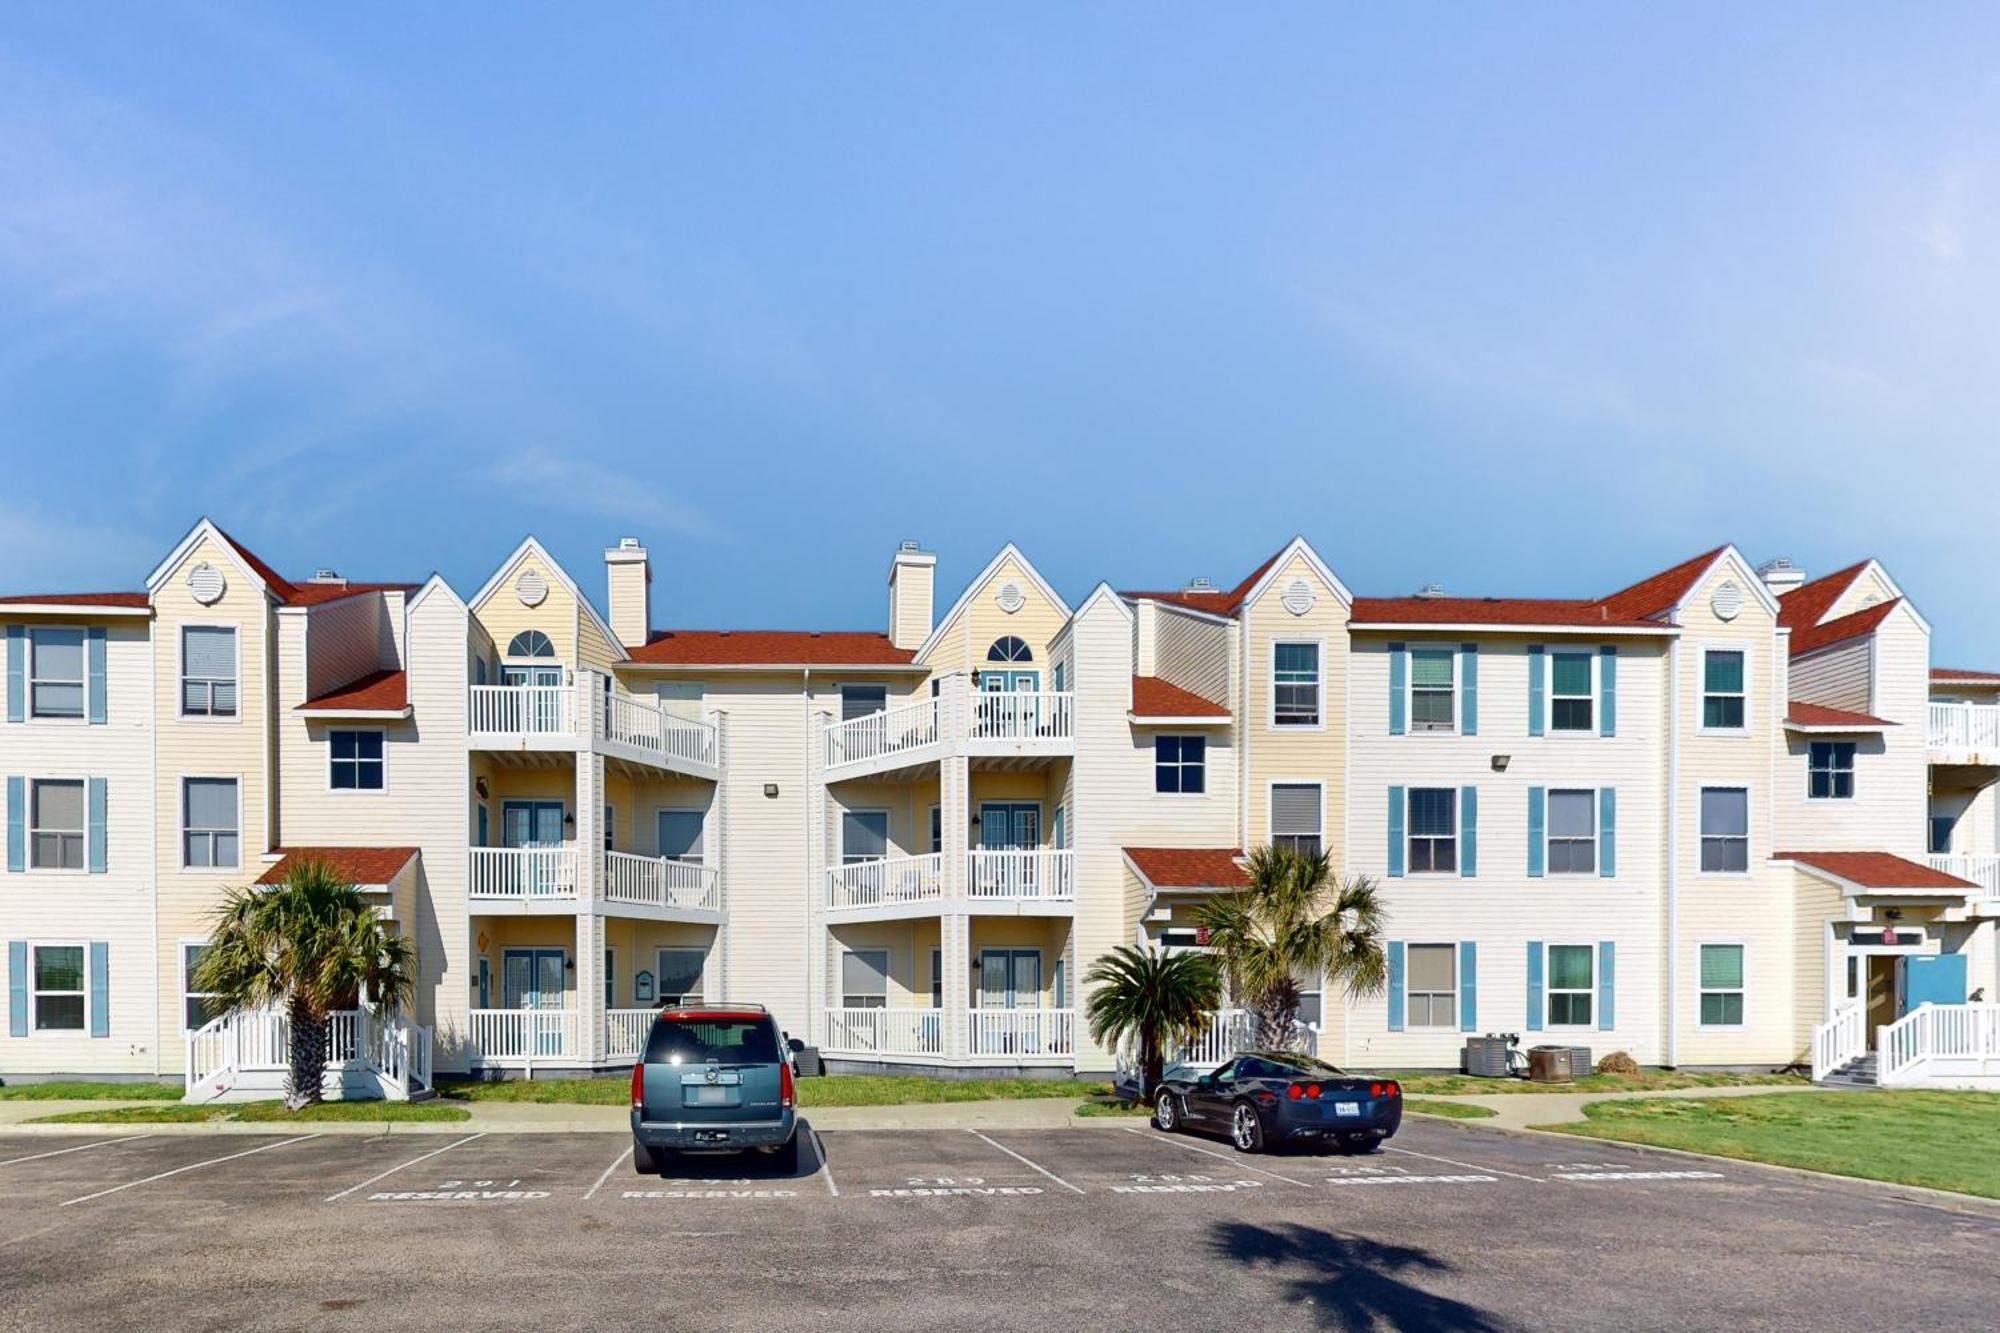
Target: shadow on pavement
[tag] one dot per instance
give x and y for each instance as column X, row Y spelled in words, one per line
column 751, row 1165
column 1348, row 1281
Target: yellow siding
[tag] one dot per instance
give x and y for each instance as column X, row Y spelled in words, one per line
column 1276, row 754
column 964, row 639
column 503, row 615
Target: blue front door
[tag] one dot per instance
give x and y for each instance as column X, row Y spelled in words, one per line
column 1932, row 979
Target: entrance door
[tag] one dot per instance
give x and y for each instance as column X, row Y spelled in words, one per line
column 1010, row 826
column 529, row 824
column 533, row 979
column 543, row 710
column 1012, row 708
column 1937, row 978
column 1011, row 979
column 1881, row 998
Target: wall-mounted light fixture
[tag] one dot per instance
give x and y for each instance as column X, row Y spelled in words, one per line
column 569, row 820
column 1500, row 762
column 771, row 791
column 479, row 785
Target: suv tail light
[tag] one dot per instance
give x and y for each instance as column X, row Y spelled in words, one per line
column 639, row 1086
column 785, row 1091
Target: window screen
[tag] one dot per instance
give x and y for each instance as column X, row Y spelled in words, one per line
column 56, row 815
column 1433, row 830
column 209, row 822
column 680, row 834
column 1725, row 829
column 1722, row 689
column 208, row 671
column 864, row 835
column 864, row 979
column 1295, row 816
column 1295, row 685
column 55, row 671
column 1431, row 697
column 1572, row 832
column 1431, row 986
column 1569, row 692
column 1722, row 985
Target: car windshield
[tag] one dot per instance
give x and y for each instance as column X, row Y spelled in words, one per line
column 1307, row 1064
column 727, row 1041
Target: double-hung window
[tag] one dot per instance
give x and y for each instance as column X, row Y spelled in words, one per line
column 1572, row 983
column 1433, row 689
column 59, row 998
column 357, row 760
column 864, row 836
column 1180, row 764
column 55, row 672
column 1431, row 981
column 864, row 979
column 1295, row 684
column 1830, row 770
column 862, row 701
column 1722, row 985
column 208, row 671
column 1433, row 830
column 209, row 834
column 1572, row 692
column 1725, row 830
column 1722, row 692
column 198, row 1007
column 1295, row 816
column 55, row 825
column 680, row 835
column 1572, row 833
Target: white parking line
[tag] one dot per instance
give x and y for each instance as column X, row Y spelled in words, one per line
column 1161, row 1138
column 1470, row 1166
column 1025, row 1162
column 191, row 1166
column 101, row 1143
column 826, row 1167
column 335, row 1198
column 591, row 1193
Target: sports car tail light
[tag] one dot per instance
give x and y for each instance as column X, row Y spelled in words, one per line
column 1296, row 1091
column 1390, row 1089
column 1312, row 1090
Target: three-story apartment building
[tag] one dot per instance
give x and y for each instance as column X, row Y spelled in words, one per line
column 1721, row 816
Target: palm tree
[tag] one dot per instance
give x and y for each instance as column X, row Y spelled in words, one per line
column 312, row 944
column 1295, row 917
column 1156, row 999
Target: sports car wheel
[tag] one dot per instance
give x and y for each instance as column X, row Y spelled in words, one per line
column 1166, row 1114
column 1246, row 1131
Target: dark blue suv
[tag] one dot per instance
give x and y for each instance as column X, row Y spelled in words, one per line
column 713, row 1080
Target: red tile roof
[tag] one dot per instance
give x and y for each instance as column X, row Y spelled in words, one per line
column 375, row 692
column 1801, row 714
column 1877, row 870
column 1651, row 597
column 307, row 593
column 770, row 647
column 1153, row 697
column 1864, row 621
column 1807, row 604
column 1969, row 677
column 361, row 865
column 1190, row 867
column 1217, row 603
column 138, row 599
column 1641, row 606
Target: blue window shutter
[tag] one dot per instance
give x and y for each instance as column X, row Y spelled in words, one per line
column 100, row 989
column 1536, row 685
column 1607, row 691
column 1395, row 832
column 1607, row 985
column 17, row 674
column 1468, row 832
column 1468, row 986
column 17, row 988
column 1534, row 985
column 1399, row 679
column 93, row 649
column 1395, row 985
column 1607, row 831
column 1537, row 818
column 17, row 824
column 1468, row 689
column 95, row 837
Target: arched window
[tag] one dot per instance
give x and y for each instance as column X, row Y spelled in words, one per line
column 531, row 643
column 1009, row 649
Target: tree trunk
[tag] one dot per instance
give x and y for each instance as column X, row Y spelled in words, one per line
column 1277, row 1023
column 308, row 1071
column 1152, row 1068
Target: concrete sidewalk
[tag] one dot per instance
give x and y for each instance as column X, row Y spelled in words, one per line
column 1523, row 1110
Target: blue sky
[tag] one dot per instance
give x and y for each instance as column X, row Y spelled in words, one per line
column 1524, row 300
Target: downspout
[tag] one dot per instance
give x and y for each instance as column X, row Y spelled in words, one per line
column 809, row 917
column 1673, row 848
column 1243, row 733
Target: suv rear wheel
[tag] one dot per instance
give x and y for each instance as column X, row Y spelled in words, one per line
column 643, row 1160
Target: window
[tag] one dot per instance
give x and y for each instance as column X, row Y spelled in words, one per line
column 1431, row 986
column 864, row 979
column 1009, row 649
column 1830, row 770
column 1059, row 677
column 1571, row 974
column 1941, row 827
column 56, row 824
column 59, row 998
column 1570, row 692
column 1725, row 830
column 1433, row 698
column 357, row 760
column 208, row 822
column 1433, row 830
column 1295, row 816
column 55, row 672
column 680, row 835
column 680, row 976
column 199, row 1008
column 937, row 828
column 1572, row 833
column 610, row 979
column 530, row 643
column 1180, row 764
column 864, row 835
column 1722, row 690
column 208, row 671
column 1722, row 985
column 862, row 701
column 1310, row 996
column 610, row 827
column 1295, row 685
column 937, row 978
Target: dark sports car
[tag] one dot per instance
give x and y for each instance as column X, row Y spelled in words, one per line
column 1264, row 1099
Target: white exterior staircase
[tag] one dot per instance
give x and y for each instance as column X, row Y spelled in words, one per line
column 246, row 1056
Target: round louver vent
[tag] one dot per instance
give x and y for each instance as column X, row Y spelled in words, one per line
column 1298, row 597
column 531, row 587
column 1010, row 598
column 206, row 584
column 1727, row 602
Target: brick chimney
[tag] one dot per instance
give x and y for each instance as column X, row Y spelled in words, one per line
column 911, row 576
column 629, row 579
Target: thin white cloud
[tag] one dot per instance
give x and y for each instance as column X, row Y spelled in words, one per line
column 595, row 490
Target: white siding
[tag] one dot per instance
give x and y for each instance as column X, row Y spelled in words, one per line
column 1193, row 653
column 1836, row 677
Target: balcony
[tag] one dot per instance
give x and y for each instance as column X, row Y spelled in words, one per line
column 546, row 719
column 896, row 881
column 1021, row 1036
column 661, row 887
column 523, row 879
column 905, row 1034
column 1981, row 870
column 1965, row 733
column 522, row 1038
column 1026, row 883
column 1021, row 727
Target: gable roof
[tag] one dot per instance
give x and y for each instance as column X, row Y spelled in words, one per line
column 978, row 581
column 1807, row 604
column 1216, row 602
column 1657, row 594
column 1188, row 867
column 1852, row 626
column 1647, row 605
column 1153, row 697
column 121, row 600
column 365, row 867
column 531, row 545
column 1876, row 870
column 769, row 647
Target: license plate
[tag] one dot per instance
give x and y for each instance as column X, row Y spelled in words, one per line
column 1347, row 1108
column 713, row 1096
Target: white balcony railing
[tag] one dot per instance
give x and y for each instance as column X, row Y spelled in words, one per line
column 522, row 874
column 877, row 735
column 258, row 1041
column 1965, row 727
column 1024, row 716
column 1225, row 1032
column 1017, row 1033
column 885, row 1031
column 896, row 879
column 660, row 881
column 522, row 710
column 1981, row 870
column 662, row 735
column 625, row 1032
column 1840, row 1040
column 522, row 1036
column 1028, row 875
column 1942, row 1042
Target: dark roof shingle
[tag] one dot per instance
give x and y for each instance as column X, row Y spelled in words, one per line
column 1153, row 697
column 770, row 647
column 361, row 865
column 1190, row 867
column 378, row 691
column 1877, row 870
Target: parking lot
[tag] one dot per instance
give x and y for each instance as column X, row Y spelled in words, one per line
column 1111, row 1226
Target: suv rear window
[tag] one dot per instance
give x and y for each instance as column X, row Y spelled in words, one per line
column 727, row 1041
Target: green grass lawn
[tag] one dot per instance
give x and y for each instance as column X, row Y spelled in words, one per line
column 831, row 1090
column 1113, row 1106
column 1451, row 1110
column 1416, row 1083
column 257, row 1113
column 79, row 1090
column 1940, row 1139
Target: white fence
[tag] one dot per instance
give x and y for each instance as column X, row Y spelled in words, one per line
column 1840, row 1040
column 388, row 1047
column 1040, row 875
column 1024, row 716
column 916, row 1032
column 625, row 1032
column 1965, row 727
column 522, row 1036
column 1948, row 1044
column 1226, row 1032
column 895, row 879
column 522, row 873
column 522, row 710
column 1020, row 1033
column 660, row 881
column 1981, row 870
column 661, row 734
column 904, row 727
